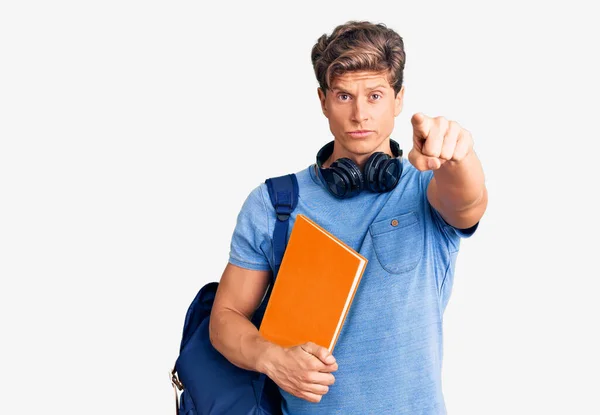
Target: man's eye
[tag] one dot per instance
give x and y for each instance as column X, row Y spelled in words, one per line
column 377, row 96
column 343, row 97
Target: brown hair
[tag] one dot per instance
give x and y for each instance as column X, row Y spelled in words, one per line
column 359, row 46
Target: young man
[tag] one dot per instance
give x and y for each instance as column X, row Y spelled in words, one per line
column 406, row 216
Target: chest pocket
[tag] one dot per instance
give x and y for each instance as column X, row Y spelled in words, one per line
column 398, row 242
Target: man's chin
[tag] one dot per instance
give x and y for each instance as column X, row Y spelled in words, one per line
column 363, row 146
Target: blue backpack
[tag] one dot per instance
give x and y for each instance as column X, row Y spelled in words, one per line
column 209, row 383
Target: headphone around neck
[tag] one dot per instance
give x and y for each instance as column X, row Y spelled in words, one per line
column 344, row 179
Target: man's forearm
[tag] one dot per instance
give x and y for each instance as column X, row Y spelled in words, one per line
column 236, row 338
column 458, row 191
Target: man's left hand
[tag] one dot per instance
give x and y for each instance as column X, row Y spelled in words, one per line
column 436, row 141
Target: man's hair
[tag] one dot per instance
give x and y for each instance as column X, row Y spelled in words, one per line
column 359, row 46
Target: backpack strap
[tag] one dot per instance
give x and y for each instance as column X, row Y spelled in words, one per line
column 283, row 191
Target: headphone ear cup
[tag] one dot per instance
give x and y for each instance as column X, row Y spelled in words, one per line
column 389, row 174
column 337, row 180
column 372, row 168
column 367, row 171
column 343, row 181
column 355, row 177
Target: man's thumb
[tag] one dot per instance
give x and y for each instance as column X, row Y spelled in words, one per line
column 320, row 352
column 418, row 160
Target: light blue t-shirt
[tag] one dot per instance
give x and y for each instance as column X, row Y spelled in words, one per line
column 389, row 351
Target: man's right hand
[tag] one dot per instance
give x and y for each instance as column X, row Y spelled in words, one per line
column 303, row 370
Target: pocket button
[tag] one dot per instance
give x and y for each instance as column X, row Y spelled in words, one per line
column 395, row 222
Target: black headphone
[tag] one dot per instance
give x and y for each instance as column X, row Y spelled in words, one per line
column 344, row 179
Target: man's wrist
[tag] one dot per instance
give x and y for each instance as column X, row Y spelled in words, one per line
column 266, row 355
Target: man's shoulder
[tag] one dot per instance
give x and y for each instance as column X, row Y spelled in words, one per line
column 304, row 177
column 260, row 193
column 301, row 175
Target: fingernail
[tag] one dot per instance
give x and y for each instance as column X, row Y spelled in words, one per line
column 330, row 359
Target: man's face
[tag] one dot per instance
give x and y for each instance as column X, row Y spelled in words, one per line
column 361, row 101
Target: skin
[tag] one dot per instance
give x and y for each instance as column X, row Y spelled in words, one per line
column 355, row 101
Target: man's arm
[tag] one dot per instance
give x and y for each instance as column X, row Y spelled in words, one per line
column 303, row 370
column 232, row 333
column 457, row 190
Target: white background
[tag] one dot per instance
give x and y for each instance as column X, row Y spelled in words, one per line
column 131, row 133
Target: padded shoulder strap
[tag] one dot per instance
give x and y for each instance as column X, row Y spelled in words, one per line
column 283, row 191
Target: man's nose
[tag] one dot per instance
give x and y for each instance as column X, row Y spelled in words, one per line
column 359, row 111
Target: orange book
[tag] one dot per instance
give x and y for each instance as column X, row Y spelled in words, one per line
column 314, row 289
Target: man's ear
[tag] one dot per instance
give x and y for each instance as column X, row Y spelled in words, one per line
column 398, row 102
column 321, row 94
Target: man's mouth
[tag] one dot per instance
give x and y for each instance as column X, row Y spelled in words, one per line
column 359, row 133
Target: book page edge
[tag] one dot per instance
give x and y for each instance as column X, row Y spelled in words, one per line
column 351, row 293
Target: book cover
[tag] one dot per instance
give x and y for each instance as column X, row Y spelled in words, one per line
column 314, row 289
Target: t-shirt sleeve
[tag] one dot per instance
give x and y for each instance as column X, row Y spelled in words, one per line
column 250, row 239
column 451, row 233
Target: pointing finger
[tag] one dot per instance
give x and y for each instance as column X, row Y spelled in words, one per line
column 421, row 125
